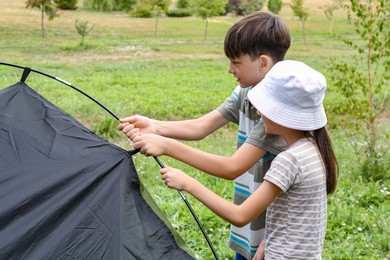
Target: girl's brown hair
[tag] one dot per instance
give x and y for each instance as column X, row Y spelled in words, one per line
column 325, row 148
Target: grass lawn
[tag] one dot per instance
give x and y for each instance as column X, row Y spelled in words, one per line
column 178, row 75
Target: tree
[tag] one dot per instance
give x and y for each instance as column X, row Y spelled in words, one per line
column 274, row 6
column 328, row 9
column 158, row 6
column 83, row 30
column 47, row 7
column 146, row 8
column 361, row 81
column 207, row 8
column 301, row 13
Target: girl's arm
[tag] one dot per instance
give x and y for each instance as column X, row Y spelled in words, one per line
column 238, row 215
column 220, row 166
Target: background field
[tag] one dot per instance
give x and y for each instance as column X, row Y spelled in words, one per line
column 178, row 75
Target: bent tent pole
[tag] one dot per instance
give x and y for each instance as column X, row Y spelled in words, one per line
column 26, row 73
column 193, row 214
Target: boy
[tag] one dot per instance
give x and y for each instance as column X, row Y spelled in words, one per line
column 253, row 45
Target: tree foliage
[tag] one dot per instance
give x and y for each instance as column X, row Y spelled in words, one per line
column 361, row 82
column 275, row 6
column 302, row 14
column 47, row 7
column 206, row 9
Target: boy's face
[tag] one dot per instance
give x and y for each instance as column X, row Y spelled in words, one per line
column 247, row 72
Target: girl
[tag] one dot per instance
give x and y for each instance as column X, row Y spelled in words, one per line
column 295, row 188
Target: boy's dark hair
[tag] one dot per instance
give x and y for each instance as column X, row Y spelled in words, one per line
column 257, row 34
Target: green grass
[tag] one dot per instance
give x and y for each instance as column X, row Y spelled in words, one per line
column 177, row 76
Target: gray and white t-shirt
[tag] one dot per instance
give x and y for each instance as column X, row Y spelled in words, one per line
column 296, row 220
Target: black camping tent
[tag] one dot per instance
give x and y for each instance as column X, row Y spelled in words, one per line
column 66, row 193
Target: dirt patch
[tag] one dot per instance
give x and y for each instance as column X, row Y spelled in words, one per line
column 87, row 58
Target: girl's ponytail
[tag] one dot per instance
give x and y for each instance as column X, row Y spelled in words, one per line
column 325, row 147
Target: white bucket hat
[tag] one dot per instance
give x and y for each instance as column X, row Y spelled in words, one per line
column 291, row 95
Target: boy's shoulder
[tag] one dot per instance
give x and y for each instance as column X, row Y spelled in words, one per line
column 240, row 93
column 258, row 136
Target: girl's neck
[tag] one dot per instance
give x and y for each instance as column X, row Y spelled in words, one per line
column 291, row 136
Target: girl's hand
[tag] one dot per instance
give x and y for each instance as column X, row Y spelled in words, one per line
column 151, row 144
column 260, row 252
column 175, row 178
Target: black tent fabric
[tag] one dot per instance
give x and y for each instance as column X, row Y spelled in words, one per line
column 66, row 193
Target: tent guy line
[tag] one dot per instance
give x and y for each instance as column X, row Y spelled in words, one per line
column 26, row 73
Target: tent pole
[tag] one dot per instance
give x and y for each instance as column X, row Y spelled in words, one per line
column 27, row 71
column 193, row 214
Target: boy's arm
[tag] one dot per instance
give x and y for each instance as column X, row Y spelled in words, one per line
column 193, row 129
column 220, row 166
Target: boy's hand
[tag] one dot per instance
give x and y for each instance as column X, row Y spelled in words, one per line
column 135, row 125
column 151, row 144
column 175, row 178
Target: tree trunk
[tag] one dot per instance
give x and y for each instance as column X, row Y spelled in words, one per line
column 205, row 31
column 43, row 20
column 156, row 25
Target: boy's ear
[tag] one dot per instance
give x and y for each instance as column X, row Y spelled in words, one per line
column 266, row 63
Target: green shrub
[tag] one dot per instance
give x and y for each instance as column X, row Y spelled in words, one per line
column 374, row 167
column 66, row 4
column 181, row 12
column 106, row 128
column 100, row 5
column 251, row 6
column 125, row 5
column 234, row 6
column 141, row 10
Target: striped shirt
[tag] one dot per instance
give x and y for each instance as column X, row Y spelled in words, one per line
column 296, row 220
column 237, row 109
